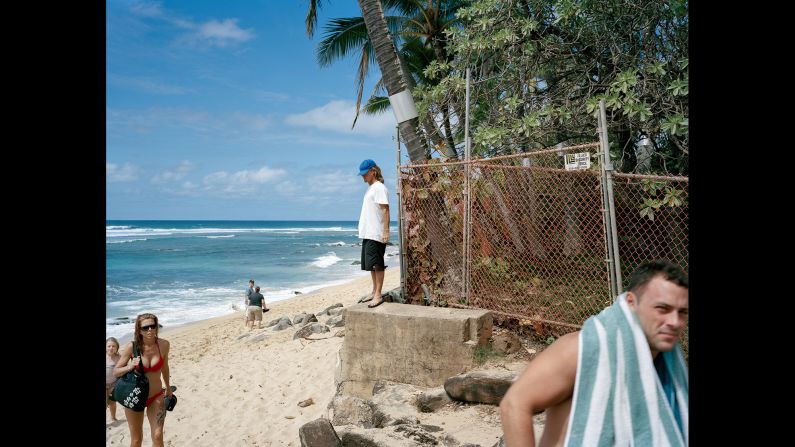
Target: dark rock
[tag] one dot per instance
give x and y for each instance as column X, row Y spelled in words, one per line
column 314, row 328
column 417, row 434
column 336, row 311
column 283, row 324
column 319, row 433
column 333, row 306
column 485, row 387
column 337, row 321
column 353, row 439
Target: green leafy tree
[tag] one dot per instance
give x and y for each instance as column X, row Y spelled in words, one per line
column 540, row 68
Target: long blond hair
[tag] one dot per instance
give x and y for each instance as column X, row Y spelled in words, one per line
column 377, row 172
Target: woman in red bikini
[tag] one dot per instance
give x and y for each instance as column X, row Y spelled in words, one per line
column 154, row 357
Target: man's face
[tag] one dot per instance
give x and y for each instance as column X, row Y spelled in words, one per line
column 250, row 285
column 367, row 176
column 662, row 313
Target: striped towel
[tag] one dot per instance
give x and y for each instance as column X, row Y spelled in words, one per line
column 619, row 399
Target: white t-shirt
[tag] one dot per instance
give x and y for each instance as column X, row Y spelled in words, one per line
column 371, row 220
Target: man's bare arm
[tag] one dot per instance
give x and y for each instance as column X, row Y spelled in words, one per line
column 385, row 210
column 547, row 381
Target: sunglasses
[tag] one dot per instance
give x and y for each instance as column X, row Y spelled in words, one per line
column 147, row 328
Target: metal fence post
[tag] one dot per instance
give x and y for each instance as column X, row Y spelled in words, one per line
column 611, row 209
column 400, row 217
column 467, row 200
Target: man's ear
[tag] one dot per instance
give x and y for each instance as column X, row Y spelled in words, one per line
column 632, row 299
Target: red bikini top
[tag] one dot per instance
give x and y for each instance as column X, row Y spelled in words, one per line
column 156, row 366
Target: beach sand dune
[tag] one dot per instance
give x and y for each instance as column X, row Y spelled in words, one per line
column 242, row 388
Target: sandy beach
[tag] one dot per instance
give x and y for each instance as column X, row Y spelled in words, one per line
column 241, row 388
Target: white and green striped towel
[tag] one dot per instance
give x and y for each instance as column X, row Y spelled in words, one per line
column 618, row 398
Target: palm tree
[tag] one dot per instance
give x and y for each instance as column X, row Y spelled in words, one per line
column 420, row 30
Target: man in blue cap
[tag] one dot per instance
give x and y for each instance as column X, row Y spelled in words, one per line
column 374, row 227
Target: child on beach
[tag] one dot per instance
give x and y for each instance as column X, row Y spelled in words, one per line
column 111, row 357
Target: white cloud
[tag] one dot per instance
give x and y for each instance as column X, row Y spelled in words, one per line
column 223, row 33
column 288, row 188
column 266, row 96
column 115, row 173
column 241, row 182
column 337, row 182
column 214, row 32
column 174, row 175
column 147, row 9
column 337, row 116
column 229, row 126
column 148, row 85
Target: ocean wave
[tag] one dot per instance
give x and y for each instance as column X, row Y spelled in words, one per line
column 336, row 244
column 328, row 260
column 124, row 241
column 117, row 227
column 217, row 237
column 130, row 231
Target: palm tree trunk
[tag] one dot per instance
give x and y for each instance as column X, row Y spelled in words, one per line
column 394, row 76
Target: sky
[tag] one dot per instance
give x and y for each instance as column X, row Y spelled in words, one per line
column 219, row 110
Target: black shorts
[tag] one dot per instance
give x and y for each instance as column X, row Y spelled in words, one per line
column 373, row 255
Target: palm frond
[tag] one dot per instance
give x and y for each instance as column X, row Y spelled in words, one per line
column 361, row 75
column 311, row 16
column 343, row 36
column 376, row 105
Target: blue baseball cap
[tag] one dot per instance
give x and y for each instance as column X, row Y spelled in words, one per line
column 366, row 166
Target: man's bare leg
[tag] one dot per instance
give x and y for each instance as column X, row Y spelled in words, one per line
column 378, row 283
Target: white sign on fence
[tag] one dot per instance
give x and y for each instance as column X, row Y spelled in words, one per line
column 580, row 160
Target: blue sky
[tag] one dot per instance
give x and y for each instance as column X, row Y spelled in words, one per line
column 219, row 110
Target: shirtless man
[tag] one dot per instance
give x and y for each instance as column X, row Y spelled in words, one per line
column 658, row 295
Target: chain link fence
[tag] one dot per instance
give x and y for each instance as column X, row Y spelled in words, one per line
column 525, row 238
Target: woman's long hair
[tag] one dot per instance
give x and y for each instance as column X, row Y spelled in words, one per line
column 378, row 175
column 138, row 337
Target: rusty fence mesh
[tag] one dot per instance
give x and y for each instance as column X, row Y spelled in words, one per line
column 526, row 238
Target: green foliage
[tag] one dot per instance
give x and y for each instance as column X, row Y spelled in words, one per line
column 498, row 270
column 540, row 67
column 659, row 194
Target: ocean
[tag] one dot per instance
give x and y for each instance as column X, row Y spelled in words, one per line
column 186, row 271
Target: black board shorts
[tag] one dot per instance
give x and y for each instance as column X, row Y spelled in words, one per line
column 373, row 255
